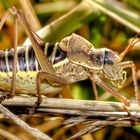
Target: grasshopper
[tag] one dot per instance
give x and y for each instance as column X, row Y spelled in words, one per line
column 71, row 60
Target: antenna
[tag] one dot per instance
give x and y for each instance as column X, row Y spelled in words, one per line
column 130, row 45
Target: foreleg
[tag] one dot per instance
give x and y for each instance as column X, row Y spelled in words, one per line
column 97, row 80
column 130, row 64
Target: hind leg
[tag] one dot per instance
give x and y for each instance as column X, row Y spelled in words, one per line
column 12, row 93
column 53, row 80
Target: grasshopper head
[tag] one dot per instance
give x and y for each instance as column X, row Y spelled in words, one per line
column 112, row 68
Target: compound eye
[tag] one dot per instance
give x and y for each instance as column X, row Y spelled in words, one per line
column 108, row 58
column 108, row 61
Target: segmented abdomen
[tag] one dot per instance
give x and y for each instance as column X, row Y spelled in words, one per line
column 26, row 58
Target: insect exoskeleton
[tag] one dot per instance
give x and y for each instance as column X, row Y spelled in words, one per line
column 80, row 51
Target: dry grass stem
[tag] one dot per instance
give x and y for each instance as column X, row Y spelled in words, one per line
column 35, row 132
column 93, row 115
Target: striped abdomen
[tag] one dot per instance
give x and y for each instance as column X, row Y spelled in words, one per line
column 27, row 69
column 26, row 58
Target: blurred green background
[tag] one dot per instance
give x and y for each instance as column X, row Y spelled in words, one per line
column 105, row 23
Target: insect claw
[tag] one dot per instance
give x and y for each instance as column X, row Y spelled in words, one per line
column 31, row 112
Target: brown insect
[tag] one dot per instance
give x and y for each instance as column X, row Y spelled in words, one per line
column 101, row 61
column 72, row 59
